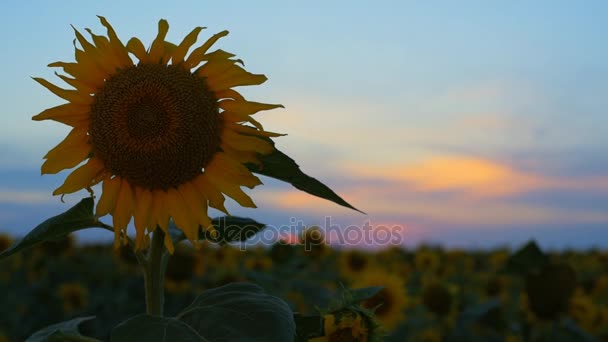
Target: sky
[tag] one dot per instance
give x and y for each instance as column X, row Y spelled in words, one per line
column 464, row 124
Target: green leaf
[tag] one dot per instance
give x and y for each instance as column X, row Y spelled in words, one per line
column 67, row 331
column 233, row 229
column 359, row 295
column 280, row 166
column 76, row 218
column 240, row 312
column 152, row 328
column 229, row 229
column 530, row 257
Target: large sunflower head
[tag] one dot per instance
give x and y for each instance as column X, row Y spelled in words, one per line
column 161, row 129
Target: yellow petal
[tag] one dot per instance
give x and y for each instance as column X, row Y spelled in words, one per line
column 109, row 193
column 252, row 131
column 169, row 48
column 232, row 117
column 117, row 48
column 232, row 171
column 69, row 153
column 141, row 215
column 245, row 143
column 81, row 178
column 232, row 190
column 69, row 95
column 136, row 47
column 93, row 66
column 181, row 214
column 229, row 94
column 243, row 157
column 158, row 45
column 246, row 107
column 197, row 203
column 215, row 197
column 124, row 206
column 182, row 49
column 234, row 76
column 215, row 69
column 159, row 209
column 81, row 73
column 66, row 110
column 198, row 54
column 79, row 85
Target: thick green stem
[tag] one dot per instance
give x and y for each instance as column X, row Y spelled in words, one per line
column 154, row 274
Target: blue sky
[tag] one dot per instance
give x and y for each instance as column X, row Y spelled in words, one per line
column 468, row 123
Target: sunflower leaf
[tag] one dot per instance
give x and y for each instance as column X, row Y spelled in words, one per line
column 280, row 166
column 76, row 218
column 240, row 312
column 228, row 228
column 152, row 328
column 64, row 331
column 233, row 229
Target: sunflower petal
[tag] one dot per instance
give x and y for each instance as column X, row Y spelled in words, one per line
column 178, row 209
column 116, row 46
column 79, row 85
column 136, row 47
column 229, row 94
column 66, row 110
column 125, row 204
column 246, row 107
column 109, row 193
column 215, row 197
column 198, row 54
column 232, row 190
column 157, row 49
column 197, row 203
column 245, row 143
column 141, row 215
column 235, row 78
column 73, row 96
column 69, row 153
column 182, row 48
column 81, row 178
column 159, row 209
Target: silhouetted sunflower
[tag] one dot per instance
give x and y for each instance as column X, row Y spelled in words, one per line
column 166, row 136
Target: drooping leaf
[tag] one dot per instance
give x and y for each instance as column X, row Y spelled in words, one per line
column 359, row 295
column 240, row 312
column 228, row 228
column 64, row 331
column 154, row 329
column 76, row 218
column 234, row 229
column 280, row 166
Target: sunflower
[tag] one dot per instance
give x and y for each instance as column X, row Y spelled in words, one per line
column 167, row 136
column 75, row 297
column 353, row 263
column 348, row 327
column 390, row 302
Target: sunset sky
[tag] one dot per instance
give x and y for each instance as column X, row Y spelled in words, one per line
column 471, row 124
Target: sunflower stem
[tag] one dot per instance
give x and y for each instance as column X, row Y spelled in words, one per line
column 154, row 274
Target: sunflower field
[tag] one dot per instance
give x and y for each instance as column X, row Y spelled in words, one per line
column 426, row 294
